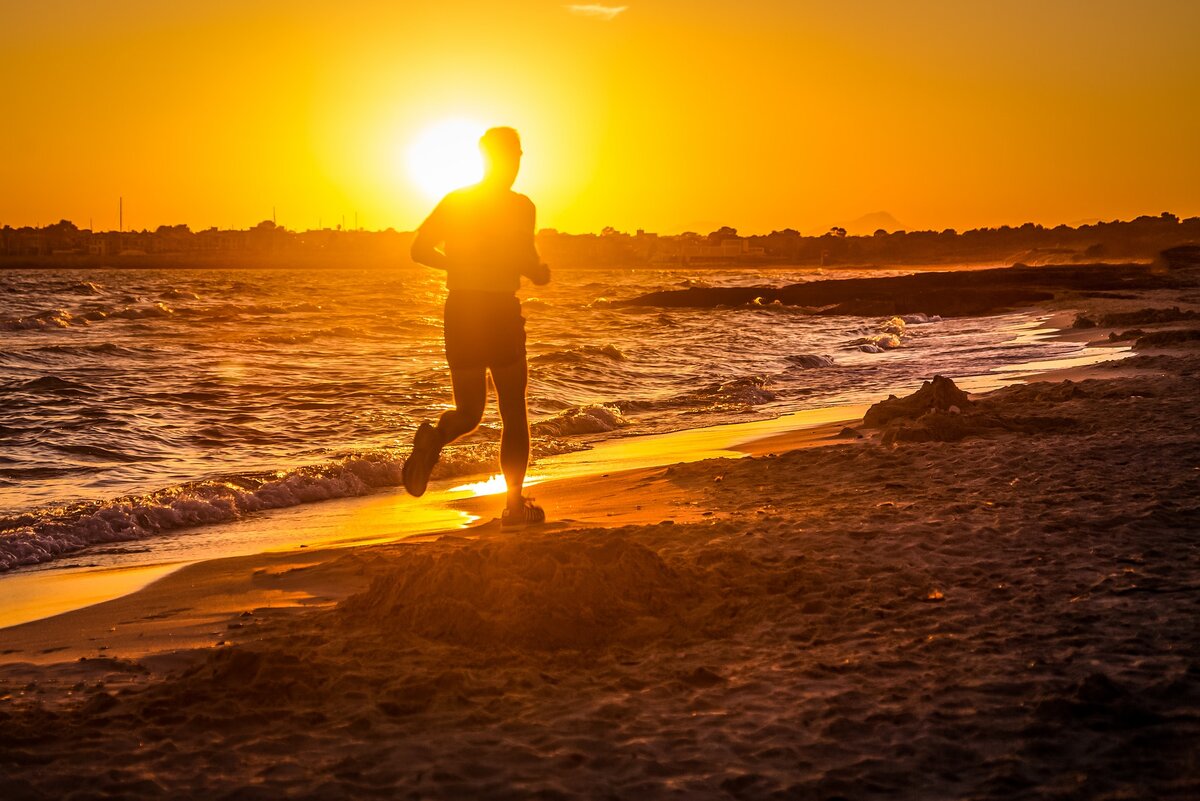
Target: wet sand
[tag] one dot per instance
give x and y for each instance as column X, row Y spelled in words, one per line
column 995, row 600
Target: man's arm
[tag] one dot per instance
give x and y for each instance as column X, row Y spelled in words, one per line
column 535, row 271
column 430, row 235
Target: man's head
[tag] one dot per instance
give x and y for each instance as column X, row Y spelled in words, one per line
column 501, row 149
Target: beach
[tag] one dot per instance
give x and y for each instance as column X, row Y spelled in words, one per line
column 603, row 401
column 995, row 597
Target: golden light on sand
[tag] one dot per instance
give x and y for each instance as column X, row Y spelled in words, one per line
column 445, row 156
column 494, row 485
column 491, row 486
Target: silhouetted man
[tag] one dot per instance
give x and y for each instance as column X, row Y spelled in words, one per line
column 485, row 234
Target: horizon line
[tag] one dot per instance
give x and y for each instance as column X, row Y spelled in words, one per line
column 822, row 232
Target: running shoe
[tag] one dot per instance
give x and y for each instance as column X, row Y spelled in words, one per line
column 529, row 514
column 427, row 446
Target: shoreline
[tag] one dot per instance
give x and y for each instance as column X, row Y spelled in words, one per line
column 462, row 502
column 451, row 505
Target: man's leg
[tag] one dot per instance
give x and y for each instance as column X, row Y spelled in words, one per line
column 470, row 395
column 511, row 381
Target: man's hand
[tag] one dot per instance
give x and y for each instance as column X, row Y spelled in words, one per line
column 538, row 274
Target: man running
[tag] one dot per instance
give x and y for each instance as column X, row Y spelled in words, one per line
column 485, row 234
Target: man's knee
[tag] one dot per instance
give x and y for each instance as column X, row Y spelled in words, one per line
column 462, row 419
column 472, row 416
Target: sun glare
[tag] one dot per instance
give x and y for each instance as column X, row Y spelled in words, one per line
column 445, row 156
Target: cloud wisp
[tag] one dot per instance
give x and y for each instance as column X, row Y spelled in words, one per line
column 597, row 11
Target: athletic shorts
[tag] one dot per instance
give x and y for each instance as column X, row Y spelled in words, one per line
column 483, row 329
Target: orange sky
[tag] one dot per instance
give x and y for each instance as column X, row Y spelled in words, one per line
column 668, row 115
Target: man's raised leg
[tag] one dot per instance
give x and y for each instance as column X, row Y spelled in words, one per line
column 470, row 394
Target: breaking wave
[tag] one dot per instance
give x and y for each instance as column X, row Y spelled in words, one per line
column 592, row 419
column 41, row 535
column 808, row 361
column 732, row 394
column 877, row 343
column 51, row 318
column 750, row 390
column 892, row 333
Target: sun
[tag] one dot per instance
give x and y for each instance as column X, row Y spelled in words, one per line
column 445, row 156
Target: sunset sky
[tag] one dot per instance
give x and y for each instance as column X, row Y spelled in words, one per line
column 666, row 115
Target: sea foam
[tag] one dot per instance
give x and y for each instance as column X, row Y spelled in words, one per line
column 41, row 535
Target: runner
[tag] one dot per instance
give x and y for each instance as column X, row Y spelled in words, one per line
column 482, row 236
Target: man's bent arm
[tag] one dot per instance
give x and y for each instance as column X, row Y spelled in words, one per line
column 534, row 269
column 424, row 251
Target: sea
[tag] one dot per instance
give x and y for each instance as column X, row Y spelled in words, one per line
column 140, row 406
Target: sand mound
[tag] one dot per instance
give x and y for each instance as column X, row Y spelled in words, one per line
column 1168, row 339
column 266, row 674
column 941, row 412
column 949, row 427
column 1147, row 316
column 940, row 394
column 563, row 592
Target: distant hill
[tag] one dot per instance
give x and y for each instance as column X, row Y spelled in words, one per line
column 870, row 223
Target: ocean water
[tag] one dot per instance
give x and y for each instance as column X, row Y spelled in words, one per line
column 137, row 405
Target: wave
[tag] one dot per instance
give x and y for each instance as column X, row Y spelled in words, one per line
column 748, row 390
column 585, row 353
column 777, row 306
column 337, row 332
column 732, row 394
column 51, row 318
column 892, row 332
column 285, row 339
column 60, row 356
column 877, row 343
column 899, row 324
column 231, row 311
column 920, row 319
column 46, row 383
column 591, row 419
column 103, row 348
column 808, row 361
column 86, row 288
column 18, row 475
column 179, row 294
column 43, row 535
column 127, row 309
column 95, row 452
column 40, row 536
column 158, row 309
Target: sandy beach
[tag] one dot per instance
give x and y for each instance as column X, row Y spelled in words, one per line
column 606, row 401
column 993, row 597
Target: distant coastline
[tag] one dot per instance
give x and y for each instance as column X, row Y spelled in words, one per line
column 267, row 245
